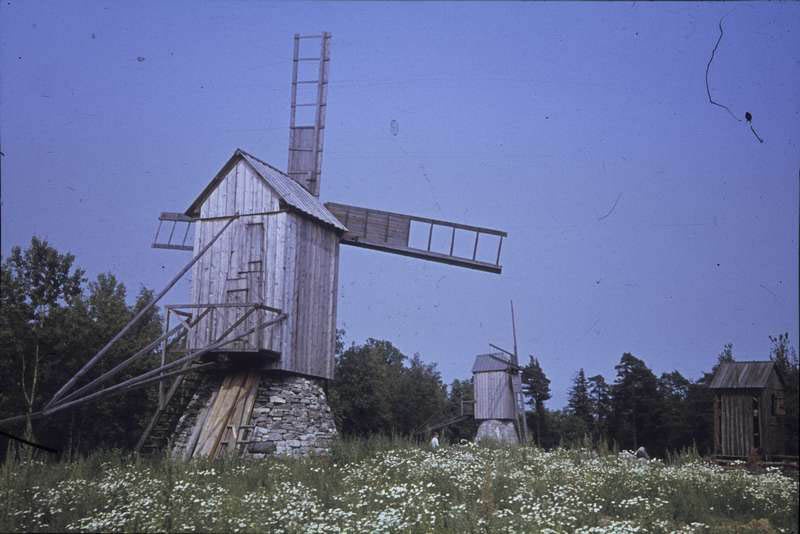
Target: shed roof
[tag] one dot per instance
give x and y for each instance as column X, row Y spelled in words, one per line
column 290, row 191
column 743, row 375
column 486, row 363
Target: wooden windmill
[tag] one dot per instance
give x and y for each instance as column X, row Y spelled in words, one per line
column 499, row 404
column 262, row 317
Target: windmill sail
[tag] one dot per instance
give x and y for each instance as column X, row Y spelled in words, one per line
column 391, row 232
column 307, row 118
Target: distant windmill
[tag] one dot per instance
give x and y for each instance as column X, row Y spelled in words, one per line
column 499, row 404
column 261, row 326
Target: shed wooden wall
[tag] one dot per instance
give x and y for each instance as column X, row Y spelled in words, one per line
column 285, row 260
column 493, row 396
column 734, row 424
column 774, row 424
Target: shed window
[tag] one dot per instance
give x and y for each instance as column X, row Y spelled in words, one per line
column 778, row 407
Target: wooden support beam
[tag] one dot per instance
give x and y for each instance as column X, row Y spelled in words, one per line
column 155, row 375
column 108, row 392
column 124, row 364
column 71, row 382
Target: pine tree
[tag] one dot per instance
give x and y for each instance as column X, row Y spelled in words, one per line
column 600, row 395
column 580, row 404
column 673, row 392
column 536, row 387
column 635, row 418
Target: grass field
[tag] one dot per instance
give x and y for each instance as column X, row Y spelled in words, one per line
column 375, row 486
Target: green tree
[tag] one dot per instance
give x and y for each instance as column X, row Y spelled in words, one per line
column 579, row 402
column 635, row 418
column 420, row 397
column 461, row 393
column 36, row 284
column 563, row 428
column 725, row 356
column 50, row 324
column 785, row 358
column 600, row 396
column 673, row 391
column 359, row 395
column 378, row 390
column 536, row 387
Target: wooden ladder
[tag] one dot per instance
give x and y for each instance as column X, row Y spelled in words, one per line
column 164, row 421
column 305, row 137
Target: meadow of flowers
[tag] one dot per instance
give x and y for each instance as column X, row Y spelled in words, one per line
column 399, row 489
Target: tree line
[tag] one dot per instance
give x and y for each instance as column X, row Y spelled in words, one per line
column 662, row 413
column 52, row 319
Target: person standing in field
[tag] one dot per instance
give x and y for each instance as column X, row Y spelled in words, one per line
column 435, row 441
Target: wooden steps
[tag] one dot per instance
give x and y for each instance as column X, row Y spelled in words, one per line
column 156, row 437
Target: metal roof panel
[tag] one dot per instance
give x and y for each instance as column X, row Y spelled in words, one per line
column 290, row 191
column 742, row 375
column 486, row 363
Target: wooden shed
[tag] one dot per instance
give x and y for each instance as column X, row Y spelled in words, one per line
column 748, row 409
column 495, row 379
column 281, row 253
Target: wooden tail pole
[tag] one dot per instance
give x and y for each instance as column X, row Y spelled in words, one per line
column 155, row 375
column 124, row 387
column 147, row 376
column 519, row 400
column 514, row 331
column 71, row 382
column 104, row 377
column 188, row 358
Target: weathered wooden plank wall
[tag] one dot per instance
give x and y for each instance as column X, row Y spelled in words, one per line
column 493, row 396
column 735, row 424
column 310, row 281
column 286, row 261
column 237, row 260
column 773, row 422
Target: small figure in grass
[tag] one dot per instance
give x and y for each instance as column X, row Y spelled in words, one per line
column 435, row 441
column 641, row 454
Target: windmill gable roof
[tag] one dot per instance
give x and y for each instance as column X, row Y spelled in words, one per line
column 487, row 363
column 290, row 191
column 743, row 375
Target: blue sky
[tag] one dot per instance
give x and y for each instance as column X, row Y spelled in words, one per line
column 536, row 118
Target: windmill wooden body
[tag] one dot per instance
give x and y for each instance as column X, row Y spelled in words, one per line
column 497, row 386
column 496, row 383
column 261, row 324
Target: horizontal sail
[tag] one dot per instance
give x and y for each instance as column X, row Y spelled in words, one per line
column 391, row 232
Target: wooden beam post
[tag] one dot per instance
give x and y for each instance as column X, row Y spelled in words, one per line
column 71, row 382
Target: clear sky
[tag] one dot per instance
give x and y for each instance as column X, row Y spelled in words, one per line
column 640, row 217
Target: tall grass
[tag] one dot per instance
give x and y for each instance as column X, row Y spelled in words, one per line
column 393, row 485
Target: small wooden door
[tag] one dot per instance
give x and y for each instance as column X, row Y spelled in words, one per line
column 244, row 286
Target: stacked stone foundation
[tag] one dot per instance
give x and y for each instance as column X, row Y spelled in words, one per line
column 498, row 431
column 291, row 417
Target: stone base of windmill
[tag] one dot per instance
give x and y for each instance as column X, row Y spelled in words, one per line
column 497, row 431
column 291, row 417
